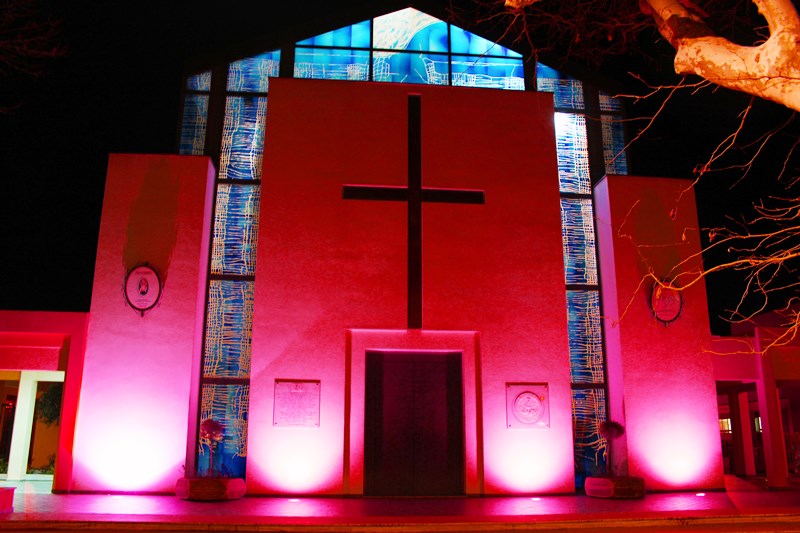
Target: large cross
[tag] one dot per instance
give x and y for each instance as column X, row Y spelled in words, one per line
column 414, row 194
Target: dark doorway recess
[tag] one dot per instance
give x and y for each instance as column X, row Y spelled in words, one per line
column 414, row 424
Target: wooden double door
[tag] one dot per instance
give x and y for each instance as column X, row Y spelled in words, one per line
column 414, row 424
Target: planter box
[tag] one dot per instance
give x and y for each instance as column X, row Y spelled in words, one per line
column 614, row 487
column 6, row 499
column 210, row 489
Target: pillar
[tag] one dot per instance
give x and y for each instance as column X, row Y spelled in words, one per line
column 23, row 420
column 744, row 428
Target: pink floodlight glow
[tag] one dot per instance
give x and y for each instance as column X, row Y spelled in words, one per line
column 518, row 468
column 299, row 464
column 679, row 454
column 129, row 459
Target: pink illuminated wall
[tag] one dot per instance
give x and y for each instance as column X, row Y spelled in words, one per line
column 131, row 431
column 664, row 374
column 328, row 265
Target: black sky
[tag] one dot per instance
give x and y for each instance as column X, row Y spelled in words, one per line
column 117, row 89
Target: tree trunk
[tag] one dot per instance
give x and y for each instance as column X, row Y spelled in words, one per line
column 770, row 70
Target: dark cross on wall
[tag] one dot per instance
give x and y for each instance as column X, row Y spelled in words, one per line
column 414, row 194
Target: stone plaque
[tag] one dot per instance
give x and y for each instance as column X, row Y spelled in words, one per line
column 527, row 405
column 296, row 403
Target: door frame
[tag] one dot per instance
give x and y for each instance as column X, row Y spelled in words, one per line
column 358, row 342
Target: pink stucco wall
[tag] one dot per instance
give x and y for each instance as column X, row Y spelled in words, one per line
column 131, row 430
column 664, row 373
column 326, row 265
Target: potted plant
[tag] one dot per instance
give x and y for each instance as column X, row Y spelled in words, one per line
column 609, row 484
column 215, row 484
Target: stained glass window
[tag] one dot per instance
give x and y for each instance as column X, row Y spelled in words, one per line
column 573, row 154
column 429, row 69
column 228, row 405
column 193, row 127
column 199, row 82
column 567, row 92
column 252, row 73
column 354, row 36
column 409, row 46
column 331, row 64
column 609, row 103
column 229, row 322
column 464, row 42
column 488, row 72
column 409, row 29
column 585, row 337
column 243, row 138
column 235, row 229
column 577, row 229
column 590, row 449
column 614, row 145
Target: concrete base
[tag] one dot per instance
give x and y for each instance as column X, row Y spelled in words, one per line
column 614, row 487
column 210, row 488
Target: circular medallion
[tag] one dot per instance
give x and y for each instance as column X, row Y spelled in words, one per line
column 666, row 302
column 528, row 407
column 142, row 287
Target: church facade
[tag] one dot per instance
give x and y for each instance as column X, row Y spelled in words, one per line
column 393, row 259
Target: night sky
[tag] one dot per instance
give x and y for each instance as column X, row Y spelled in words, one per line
column 117, row 89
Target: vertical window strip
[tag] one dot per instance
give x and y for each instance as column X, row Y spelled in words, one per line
column 614, row 145
column 243, row 138
column 587, row 365
column 252, row 74
column 193, row 127
column 199, row 82
column 572, row 149
column 577, row 230
column 229, row 323
column 235, row 229
column 227, row 405
column 590, row 448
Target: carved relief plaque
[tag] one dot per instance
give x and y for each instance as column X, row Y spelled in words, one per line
column 527, row 405
column 296, row 403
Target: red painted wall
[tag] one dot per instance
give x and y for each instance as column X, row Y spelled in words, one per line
column 664, row 374
column 131, row 431
column 326, row 265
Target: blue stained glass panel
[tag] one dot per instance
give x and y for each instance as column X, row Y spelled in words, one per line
column 229, row 406
column 412, row 30
column 567, row 92
column 591, row 449
column 229, row 324
column 586, row 361
column 573, row 154
column 609, row 103
column 242, row 138
column 252, row 74
column 488, row 72
column 404, row 67
column 193, row 126
column 331, row 64
column 355, row 36
column 235, row 229
column 577, row 232
column 465, row 42
column 199, row 82
column 614, row 145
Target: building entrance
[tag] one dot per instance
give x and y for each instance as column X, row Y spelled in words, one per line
column 414, row 424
